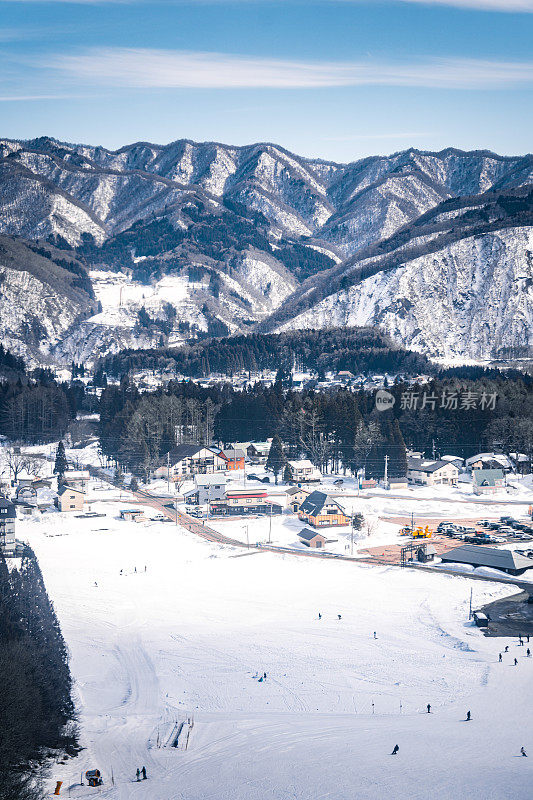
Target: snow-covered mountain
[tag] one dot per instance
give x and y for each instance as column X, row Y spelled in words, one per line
column 218, row 239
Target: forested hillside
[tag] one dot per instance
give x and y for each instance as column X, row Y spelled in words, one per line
column 359, row 350
column 36, row 710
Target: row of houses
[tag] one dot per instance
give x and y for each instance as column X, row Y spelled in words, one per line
column 444, row 472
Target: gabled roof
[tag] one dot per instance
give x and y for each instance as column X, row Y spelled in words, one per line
column 232, row 454
column 315, row 502
column 210, row 479
column 488, row 557
column 296, row 489
column 180, row 452
column 308, row 534
column 487, row 477
column 61, row 491
column 303, row 463
column 426, row 465
column 10, row 508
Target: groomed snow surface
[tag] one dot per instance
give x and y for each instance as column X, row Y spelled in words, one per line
column 188, row 638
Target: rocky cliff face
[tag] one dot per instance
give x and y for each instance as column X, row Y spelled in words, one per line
column 468, row 298
column 256, row 235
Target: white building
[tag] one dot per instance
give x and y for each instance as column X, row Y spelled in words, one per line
column 207, row 488
column 303, row 471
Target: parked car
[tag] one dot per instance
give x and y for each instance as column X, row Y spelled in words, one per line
column 253, row 478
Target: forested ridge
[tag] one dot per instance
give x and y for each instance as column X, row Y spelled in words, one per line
column 36, row 711
column 359, row 350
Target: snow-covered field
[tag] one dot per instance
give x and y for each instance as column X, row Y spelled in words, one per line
column 188, row 638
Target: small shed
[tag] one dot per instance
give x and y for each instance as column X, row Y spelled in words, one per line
column 398, row 483
column 426, row 553
column 312, row 538
column 131, row 514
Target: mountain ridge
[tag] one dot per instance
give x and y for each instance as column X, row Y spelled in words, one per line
column 240, row 232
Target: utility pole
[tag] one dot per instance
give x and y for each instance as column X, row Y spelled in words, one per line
column 470, row 611
column 168, row 471
column 433, row 441
column 385, row 477
column 270, row 526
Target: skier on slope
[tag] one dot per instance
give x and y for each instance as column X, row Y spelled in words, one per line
column 500, row 658
column 428, row 708
column 523, row 752
column 515, row 662
column 468, row 716
column 143, row 772
column 138, row 774
column 395, row 749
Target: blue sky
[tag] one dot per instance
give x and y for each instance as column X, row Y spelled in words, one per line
column 339, row 79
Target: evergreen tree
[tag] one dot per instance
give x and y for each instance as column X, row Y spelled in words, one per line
column 287, row 473
column 61, row 463
column 276, row 457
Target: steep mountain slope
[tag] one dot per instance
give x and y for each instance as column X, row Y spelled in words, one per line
column 43, row 295
column 205, row 237
column 457, row 281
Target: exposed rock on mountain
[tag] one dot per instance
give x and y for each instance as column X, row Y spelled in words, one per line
column 190, row 238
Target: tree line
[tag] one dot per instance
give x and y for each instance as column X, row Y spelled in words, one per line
column 36, row 713
column 337, row 430
column 358, row 350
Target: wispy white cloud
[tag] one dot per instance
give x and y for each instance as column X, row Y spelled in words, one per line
column 29, row 97
column 167, row 69
column 355, row 137
column 481, row 5
column 525, row 6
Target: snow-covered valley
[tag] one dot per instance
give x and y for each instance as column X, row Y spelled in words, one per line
column 164, row 627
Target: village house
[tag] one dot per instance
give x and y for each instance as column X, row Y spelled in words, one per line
column 487, row 481
column 321, row 510
column 311, row 538
column 240, row 502
column 431, row 473
column 489, row 461
column 187, row 460
column 258, row 452
column 295, row 497
column 69, row 499
column 233, row 458
column 206, row 488
column 303, row 471
column 8, row 516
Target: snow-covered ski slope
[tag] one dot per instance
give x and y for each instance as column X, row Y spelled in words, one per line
column 189, row 637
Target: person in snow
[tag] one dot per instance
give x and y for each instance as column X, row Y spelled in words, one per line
column 319, row 615
column 523, row 752
column 500, row 657
column 528, row 652
column 138, row 774
column 143, row 771
column 264, row 676
column 506, row 648
column 339, row 616
column 428, row 708
column 395, row 749
column 468, row 716
column 520, row 641
column 515, row 662
column 375, row 635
